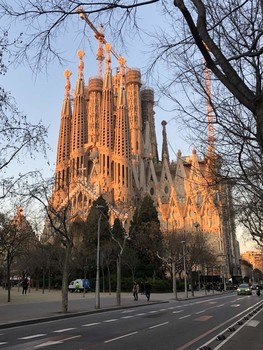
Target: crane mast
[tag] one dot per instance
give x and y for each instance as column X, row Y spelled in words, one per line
column 99, row 35
column 209, row 109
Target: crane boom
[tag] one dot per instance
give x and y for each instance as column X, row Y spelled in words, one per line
column 98, row 35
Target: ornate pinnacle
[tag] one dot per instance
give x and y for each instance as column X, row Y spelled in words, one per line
column 81, row 54
column 67, row 74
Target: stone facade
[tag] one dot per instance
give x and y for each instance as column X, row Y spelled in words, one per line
column 107, row 146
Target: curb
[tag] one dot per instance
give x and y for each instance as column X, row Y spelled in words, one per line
column 71, row 315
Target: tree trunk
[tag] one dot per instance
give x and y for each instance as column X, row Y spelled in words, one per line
column 259, row 118
column 109, row 278
column 174, row 280
column 118, row 290
column 49, row 279
column 103, row 274
column 192, row 284
column 8, row 263
column 43, row 281
column 65, row 278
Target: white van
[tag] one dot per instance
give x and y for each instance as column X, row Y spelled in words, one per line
column 83, row 283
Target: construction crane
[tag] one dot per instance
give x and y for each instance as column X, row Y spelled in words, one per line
column 99, row 35
column 209, row 109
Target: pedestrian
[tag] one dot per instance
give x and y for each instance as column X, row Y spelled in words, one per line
column 135, row 290
column 147, row 290
column 77, row 287
column 24, row 285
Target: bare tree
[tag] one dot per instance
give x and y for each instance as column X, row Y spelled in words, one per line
column 223, row 35
column 18, row 137
column 16, row 235
column 59, row 223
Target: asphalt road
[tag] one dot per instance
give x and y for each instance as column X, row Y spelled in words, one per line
column 190, row 324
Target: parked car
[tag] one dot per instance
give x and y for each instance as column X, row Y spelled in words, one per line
column 244, row 289
column 79, row 285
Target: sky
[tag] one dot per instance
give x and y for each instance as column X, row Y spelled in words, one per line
column 40, row 97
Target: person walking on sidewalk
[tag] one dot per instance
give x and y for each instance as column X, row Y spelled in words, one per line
column 24, row 285
column 77, row 287
column 147, row 289
column 135, row 290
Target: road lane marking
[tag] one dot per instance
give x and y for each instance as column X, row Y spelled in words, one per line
column 122, row 336
column 55, row 342
column 48, row 343
column 180, row 318
column 203, row 318
column 200, row 312
column 253, row 323
column 130, row 316
column 235, row 305
column 158, row 325
column 90, row 324
column 70, row 338
column 185, row 346
column 63, row 330
column 127, row 311
column 32, row 336
column 153, row 312
column 3, row 343
column 142, row 314
column 111, row 320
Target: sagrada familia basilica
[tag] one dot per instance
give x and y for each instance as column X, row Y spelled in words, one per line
column 107, row 146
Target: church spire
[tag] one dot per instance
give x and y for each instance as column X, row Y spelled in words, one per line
column 133, row 86
column 63, row 150
column 79, row 120
column 122, row 129
column 165, row 152
column 122, row 145
column 106, row 123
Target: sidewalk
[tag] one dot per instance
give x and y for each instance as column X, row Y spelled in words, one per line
column 36, row 306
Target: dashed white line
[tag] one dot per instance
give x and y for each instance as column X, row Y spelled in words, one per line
column 122, row 336
column 48, row 343
column 70, row 338
column 142, row 314
column 90, row 324
column 158, row 325
column 32, row 336
column 127, row 311
column 180, row 318
column 111, row 320
column 3, row 343
column 63, row 330
column 125, row 317
column 200, row 312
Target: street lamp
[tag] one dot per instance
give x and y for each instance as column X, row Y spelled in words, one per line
column 97, row 288
column 185, row 276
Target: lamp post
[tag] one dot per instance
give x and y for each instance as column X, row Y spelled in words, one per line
column 185, row 276
column 97, row 288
